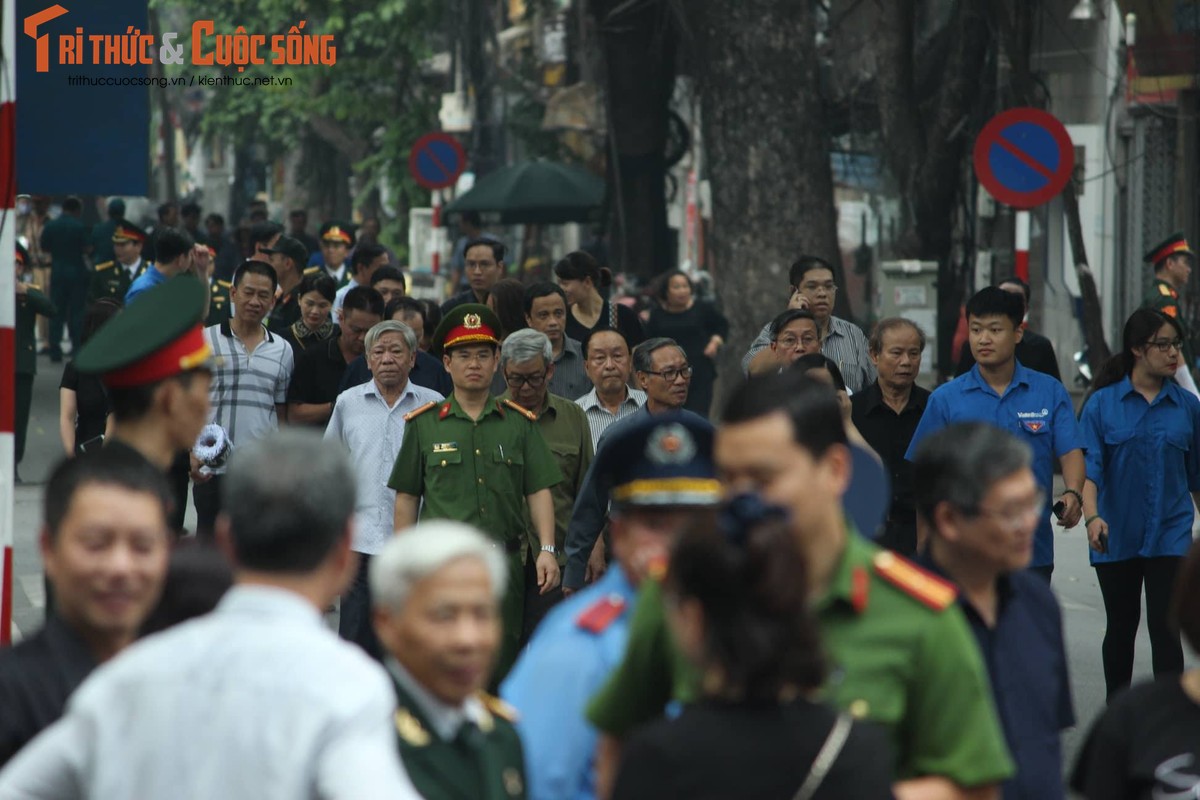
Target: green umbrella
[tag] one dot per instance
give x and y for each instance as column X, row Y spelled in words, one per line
column 534, row 192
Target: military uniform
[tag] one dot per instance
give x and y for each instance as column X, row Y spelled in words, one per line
column 219, row 307
column 480, row 760
column 900, row 653
column 112, row 279
column 478, row 471
column 1164, row 296
column 334, row 232
column 29, row 306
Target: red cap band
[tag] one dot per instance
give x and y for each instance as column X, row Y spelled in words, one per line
column 187, row 352
column 1177, row 246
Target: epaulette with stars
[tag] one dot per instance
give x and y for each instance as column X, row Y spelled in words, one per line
column 416, row 412
column 925, row 587
column 104, row 266
column 498, row 707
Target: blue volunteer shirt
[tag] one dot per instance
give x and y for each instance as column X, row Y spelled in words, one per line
column 147, row 280
column 564, row 665
column 1035, row 407
column 1144, row 459
column 1026, row 660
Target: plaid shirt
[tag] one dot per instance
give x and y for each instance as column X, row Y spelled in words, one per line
column 246, row 387
column 845, row 345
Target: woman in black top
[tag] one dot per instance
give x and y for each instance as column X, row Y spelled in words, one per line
column 316, row 325
column 82, row 399
column 581, row 279
column 696, row 326
column 736, row 599
column 1147, row 744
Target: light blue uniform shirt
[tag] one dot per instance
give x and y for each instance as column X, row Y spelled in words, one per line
column 147, row 280
column 1144, row 459
column 563, row 666
column 1035, row 408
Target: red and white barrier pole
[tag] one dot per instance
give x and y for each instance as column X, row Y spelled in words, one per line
column 8, row 307
column 436, row 234
column 1021, row 264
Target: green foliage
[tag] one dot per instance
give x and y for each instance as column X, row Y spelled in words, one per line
column 373, row 94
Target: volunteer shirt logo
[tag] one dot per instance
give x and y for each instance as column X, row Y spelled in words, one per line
column 1045, row 412
column 1032, row 426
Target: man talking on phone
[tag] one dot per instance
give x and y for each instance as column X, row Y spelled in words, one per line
column 811, row 286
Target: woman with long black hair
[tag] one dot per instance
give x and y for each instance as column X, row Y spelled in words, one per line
column 1142, row 435
column 737, row 601
column 583, row 280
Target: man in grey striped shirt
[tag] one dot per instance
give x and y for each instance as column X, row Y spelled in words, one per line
column 251, row 371
column 813, row 288
column 612, row 398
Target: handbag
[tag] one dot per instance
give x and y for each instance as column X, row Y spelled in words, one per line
column 826, row 757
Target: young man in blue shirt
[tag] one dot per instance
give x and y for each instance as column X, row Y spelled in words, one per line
column 1035, row 407
column 979, row 503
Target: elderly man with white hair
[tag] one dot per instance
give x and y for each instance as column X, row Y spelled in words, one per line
column 369, row 419
column 527, row 364
column 437, row 589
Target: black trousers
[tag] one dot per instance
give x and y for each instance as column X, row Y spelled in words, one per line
column 178, row 477
column 1121, row 584
column 207, row 499
column 354, row 622
column 536, row 605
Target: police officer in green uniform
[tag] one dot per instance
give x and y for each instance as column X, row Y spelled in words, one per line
column 1172, row 260
column 113, row 278
column 30, row 303
column 900, row 651
column 480, row 460
column 456, row 742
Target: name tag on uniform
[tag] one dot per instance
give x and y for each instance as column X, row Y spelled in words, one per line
column 446, row 447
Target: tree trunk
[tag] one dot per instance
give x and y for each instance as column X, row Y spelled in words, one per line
column 767, row 149
column 639, row 44
column 1093, row 320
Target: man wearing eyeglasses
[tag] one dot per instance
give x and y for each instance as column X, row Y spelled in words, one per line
column 528, row 369
column 793, row 334
column 978, row 505
column 812, row 287
column 663, row 372
column 481, row 459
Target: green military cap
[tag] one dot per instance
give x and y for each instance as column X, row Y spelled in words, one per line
column 126, row 231
column 469, row 323
column 155, row 338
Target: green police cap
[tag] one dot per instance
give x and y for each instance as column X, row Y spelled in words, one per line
column 470, row 323
column 158, row 336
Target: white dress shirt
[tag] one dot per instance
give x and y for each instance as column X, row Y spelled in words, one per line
column 257, row 700
column 373, row 432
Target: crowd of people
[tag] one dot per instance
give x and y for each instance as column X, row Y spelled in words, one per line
column 550, row 573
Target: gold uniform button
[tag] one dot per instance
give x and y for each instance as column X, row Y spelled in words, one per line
column 443, row 462
column 481, row 480
column 478, row 453
column 859, row 709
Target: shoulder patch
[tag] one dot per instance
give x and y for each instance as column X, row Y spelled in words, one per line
column 416, row 412
column 498, row 707
column 520, row 409
column 923, row 586
column 1165, row 290
column 1171, row 310
column 224, row 284
column 313, row 270
column 105, row 265
column 597, row 617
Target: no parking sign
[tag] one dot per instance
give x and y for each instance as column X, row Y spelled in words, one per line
column 1024, row 157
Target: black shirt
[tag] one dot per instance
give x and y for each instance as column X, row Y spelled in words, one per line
column 889, row 435
column 717, row 751
column 37, row 676
column 427, row 372
column 1034, row 351
column 91, row 403
column 466, row 296
column 317, row 375
column 1146, row 745
column 628, row 324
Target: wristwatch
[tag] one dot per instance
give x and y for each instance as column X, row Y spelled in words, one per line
column 549, row 548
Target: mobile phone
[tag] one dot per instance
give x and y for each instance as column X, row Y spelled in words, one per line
column 1059, row 509
column 1103, row 542
column 94, row 443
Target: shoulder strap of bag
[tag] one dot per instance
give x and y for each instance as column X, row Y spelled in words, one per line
column 612, row 315
column 826, row 758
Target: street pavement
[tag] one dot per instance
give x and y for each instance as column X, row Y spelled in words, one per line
column 1074, row 581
